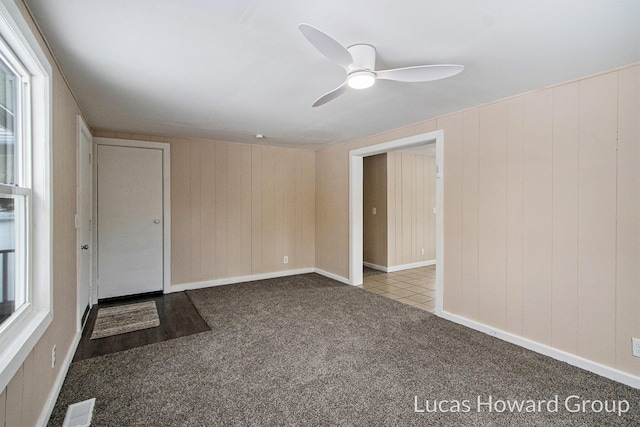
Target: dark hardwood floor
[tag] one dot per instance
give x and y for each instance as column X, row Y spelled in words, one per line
column 178, row 318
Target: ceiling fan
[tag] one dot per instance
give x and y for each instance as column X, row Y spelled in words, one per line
column 359, row 61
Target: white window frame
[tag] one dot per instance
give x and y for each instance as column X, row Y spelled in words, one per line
column 21, row 332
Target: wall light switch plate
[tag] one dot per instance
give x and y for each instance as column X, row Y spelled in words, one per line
column 374, row 211
column 635, row 342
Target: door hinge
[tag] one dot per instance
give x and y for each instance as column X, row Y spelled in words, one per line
column 89, row 158
column 77, row 221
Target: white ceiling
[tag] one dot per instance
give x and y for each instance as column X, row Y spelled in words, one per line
column 229, row 69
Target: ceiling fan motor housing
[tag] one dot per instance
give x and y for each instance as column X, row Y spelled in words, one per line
column 364, row 57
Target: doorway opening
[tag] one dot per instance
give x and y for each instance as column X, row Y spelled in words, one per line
column 356, row 229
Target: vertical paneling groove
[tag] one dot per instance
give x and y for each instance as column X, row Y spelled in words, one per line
column 289, row 220
column 234, row 210
column 247, row 210
column 208, row 211
column 430, row 175
column 29, row 412
column 597, row 218
column 221, row 209
column 413, row 206
column 278, row 208
column 469, row 193
column 14, row 399
column 422, row 226
column 564, row 314
column 453, row 212
column 628, row 219
column 406, row 206
column 268, row 209
column 3, row 406
column 298, row 233
column 398, row 206
column 180, row 212
column 309, row 208
column 391, row 209
column 537, row 218
column 492, row 213
column 514, row 214
column 256, row 210
column 196, row 250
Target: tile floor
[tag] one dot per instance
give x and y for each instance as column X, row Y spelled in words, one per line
column 416, row 287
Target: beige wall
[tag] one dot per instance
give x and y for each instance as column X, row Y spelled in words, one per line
column 24, row 398
column 412, row 197
column 237, row 209
column 374, row 195
column 541, row 228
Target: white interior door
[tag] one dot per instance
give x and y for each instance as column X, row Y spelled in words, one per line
column 84, row 219
column 130, row 217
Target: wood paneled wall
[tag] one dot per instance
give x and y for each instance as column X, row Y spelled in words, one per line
column 237, row 209
column 24, row 398
column 541, row 214
column 374, row 195
column 411, row 198
column 558, row 217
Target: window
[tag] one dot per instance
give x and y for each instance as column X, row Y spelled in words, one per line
column 25, row 191
column 13, row 193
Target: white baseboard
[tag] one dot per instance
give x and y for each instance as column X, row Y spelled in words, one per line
column 393, row 268
column 554, row 353
column 375, row 266
column 239, row 279
column 57, row 385
column 332, row 276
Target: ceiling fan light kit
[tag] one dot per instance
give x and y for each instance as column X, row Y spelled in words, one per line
column 361, row 79
column 359, row 63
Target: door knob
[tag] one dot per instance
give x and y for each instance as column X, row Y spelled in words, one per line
column 84, row 247
column 156, row 221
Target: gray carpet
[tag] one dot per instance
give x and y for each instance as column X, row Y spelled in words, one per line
column 309, row 351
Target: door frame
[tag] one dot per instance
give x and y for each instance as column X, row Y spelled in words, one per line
column 356, row 196
column 166, row 202
column 83, row 129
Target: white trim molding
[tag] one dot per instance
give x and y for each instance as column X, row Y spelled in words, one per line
column 355, row 201
column 332, row 276
column 375, row 266
column 238, row 279
column 166, row 200
column 83, row 130
column 554, row 353
column 43, row 420
column 395, row 268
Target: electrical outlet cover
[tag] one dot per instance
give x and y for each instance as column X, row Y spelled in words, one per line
column 635, row 343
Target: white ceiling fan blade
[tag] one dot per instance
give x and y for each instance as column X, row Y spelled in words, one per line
column 331, row 95
column 420, row 73
column 327, row 45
